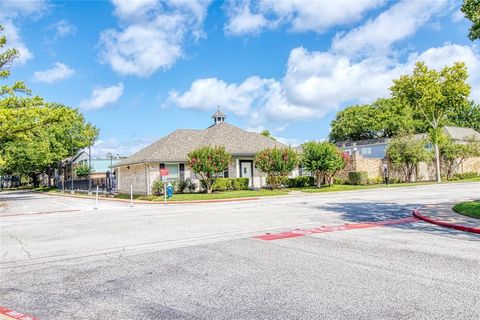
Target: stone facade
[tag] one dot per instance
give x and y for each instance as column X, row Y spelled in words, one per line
column 424, row 171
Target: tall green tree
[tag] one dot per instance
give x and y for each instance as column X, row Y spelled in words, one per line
column 435, row 94
column 382, row 118
column 207, row 162
column 471, row 9
column 323, row 160
column 453, row 154
column 405, row 152
column 276, row 163
column 34, row 134
column 467, row 116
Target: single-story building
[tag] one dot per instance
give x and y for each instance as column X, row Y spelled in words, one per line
column 141, row 169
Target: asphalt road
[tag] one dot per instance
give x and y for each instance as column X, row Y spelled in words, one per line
column 63, row 259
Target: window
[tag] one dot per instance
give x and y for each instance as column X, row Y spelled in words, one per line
column 172, row 171
column 366, row 151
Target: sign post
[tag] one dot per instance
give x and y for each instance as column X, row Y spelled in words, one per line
column 385, row 173
column 164, row 174
column 96, row 199
column 131, row 195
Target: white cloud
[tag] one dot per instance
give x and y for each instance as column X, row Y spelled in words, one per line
column 102, row 96
column 14, row 40
column 154, row 34
column 318, row 16
column 243, row 21
column 318, row 82
column 9, row 12
column 63, row 28
column 58, row 72
column 208, row 93
column 398, row 22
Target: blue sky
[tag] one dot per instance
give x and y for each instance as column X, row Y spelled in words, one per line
column 141, row 69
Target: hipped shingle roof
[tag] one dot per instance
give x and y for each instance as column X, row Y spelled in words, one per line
column 176, row 146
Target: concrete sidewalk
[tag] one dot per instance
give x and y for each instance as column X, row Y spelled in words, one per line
column 443, row 215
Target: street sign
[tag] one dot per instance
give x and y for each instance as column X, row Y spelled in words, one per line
column 164, row 172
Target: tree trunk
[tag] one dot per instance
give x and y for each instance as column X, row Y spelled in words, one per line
column 319, row 180
column 437, row 163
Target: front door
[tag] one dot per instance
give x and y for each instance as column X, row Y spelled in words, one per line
column 246, row 171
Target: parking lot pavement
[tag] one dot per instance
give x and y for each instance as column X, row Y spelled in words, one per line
column 205, row 262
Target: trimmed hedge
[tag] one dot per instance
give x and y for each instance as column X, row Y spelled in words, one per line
column 224, row 184
column 240, row 183
column 357, row 177
column 300, row 182
column 466, row 175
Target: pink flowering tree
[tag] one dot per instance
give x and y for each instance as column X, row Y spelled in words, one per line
column 208, row 161
column 276, row 163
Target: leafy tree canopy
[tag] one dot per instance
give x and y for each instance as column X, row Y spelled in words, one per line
column 208, row 161
column 405, row 152
column 276, row 163
column 34, row 134
column 471, row 9
column 323, row 160
column 383, row 118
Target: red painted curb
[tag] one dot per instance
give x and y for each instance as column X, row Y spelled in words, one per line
column 15, row 315
column 441, row 223
column 324, row 229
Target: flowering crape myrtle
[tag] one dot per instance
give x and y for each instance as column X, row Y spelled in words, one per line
column 207, row 162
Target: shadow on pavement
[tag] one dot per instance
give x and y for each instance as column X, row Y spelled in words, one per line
column 358, row 212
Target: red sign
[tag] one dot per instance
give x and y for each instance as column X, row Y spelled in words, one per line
column 164, row 172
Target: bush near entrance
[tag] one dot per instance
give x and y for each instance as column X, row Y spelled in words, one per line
column 224, row 184
column 300, row 182
column 358, row 177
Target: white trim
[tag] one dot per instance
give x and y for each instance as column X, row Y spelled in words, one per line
column 237, row 167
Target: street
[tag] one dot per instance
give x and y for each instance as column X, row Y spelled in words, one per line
column 64, row 259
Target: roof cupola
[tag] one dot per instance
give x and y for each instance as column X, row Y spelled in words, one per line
column 218, row 117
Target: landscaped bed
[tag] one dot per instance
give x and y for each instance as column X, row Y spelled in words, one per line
column 469, row 209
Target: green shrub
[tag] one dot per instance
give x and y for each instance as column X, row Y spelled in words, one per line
column 465, row 175
column 376, row 180
column 157, row 187
column 239, row 183
column 357, row 177
column 182, row 186
column 191, row 185
column 222, row 184
column 82, row 170
column 337, row 180
column 299, row 182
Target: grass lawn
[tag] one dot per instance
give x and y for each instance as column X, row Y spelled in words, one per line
column 470, row 209
column 211, row 196
column 264, row 192
column 347, row 187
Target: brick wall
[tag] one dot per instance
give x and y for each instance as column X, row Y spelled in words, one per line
column 135, row 175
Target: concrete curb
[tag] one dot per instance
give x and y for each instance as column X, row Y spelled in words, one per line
column 155, row 202
column 416, row 213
